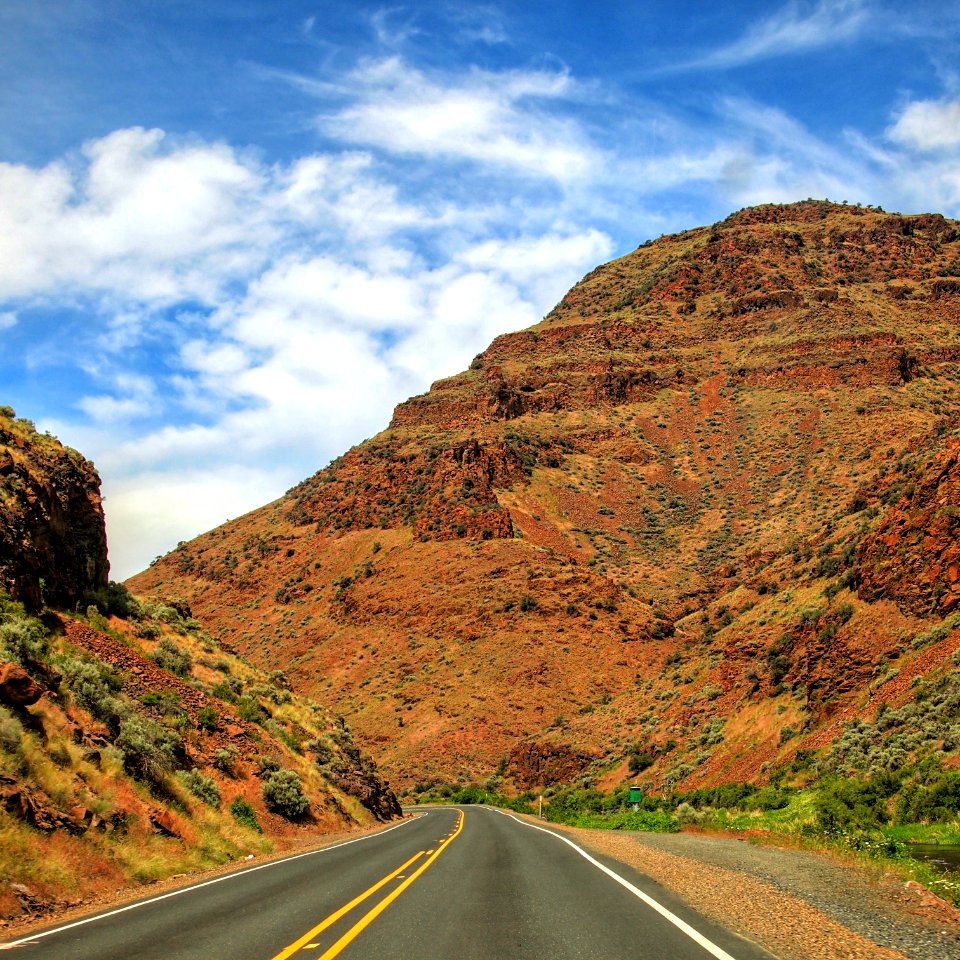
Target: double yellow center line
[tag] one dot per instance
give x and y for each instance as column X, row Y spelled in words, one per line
column 371, row 915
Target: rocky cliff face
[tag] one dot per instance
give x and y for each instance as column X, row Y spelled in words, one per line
column 913, row 553
column 657, row 522
column 53, row 547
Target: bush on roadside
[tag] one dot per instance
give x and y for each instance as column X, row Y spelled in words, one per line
column 850, row 804
column 282, row 792
column 201, row 786
column 244, row 814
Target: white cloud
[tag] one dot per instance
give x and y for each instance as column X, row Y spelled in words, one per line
column 542, row 264
column 485, row 118
column 133, row 216
column 133, row 396
column 928, row 125
column 794, row 28
column 8, row 319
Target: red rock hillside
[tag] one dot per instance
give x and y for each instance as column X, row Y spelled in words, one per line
column 696, row 515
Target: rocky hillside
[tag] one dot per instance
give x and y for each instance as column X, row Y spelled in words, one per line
column 132, row 746
column 53, row 547
column 691, row 524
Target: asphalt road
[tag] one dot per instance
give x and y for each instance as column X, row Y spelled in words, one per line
column 471, row 884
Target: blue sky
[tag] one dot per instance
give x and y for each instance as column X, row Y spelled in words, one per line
column 234, row 234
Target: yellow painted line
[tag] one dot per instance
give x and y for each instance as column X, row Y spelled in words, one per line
column 375, row 912
column 305, row 940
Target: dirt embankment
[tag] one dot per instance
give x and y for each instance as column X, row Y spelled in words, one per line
column 797, row 904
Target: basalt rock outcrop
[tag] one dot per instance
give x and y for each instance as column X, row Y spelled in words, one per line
column 661, row 522
column 53, row 546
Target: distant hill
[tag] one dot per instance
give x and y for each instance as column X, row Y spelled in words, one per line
column 683, row 530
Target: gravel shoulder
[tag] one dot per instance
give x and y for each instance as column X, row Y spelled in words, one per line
column 797, row 904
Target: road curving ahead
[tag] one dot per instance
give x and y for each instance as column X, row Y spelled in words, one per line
column 473, row 883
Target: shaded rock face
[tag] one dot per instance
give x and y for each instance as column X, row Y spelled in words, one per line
column 35, row 807
column 544, row 764
column 53, row 545
column 357, row 776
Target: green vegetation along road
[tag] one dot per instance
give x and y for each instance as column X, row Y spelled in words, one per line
column 476, row 884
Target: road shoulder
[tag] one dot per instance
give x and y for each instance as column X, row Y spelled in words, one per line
column 797, row 904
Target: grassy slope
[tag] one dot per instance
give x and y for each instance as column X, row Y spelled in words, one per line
column 91, row 756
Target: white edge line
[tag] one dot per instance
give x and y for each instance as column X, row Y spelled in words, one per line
column 198, row 886
column 681, row 925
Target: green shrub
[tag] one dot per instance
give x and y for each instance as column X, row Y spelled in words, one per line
column 171, row 657
column 267, row 765
column 223, row 758
column 244, row 814
column 93, row 685
column 11, row 733
column 850, row 804
column 224, row 691
column 149, row 749
column 148, row 631
column 22, row 639
column 207, row 719
column 251, row 710
column 202, row 786
column 768, row 798
column 282, row 792
column 933, row 803
column 640, row 761
column 166, row 700
column 115, row 599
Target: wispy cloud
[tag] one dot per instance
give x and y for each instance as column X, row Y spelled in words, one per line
column 480, row 23
column 8, row 319
column 795, row 28
column 494, row 119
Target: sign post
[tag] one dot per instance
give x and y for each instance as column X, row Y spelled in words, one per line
column 636, row 795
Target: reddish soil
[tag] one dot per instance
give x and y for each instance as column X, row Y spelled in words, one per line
column 692, row 512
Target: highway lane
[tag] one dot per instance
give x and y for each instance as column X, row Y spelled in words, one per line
column 476, row 884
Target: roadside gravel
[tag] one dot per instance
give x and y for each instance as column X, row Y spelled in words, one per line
column 797, row 904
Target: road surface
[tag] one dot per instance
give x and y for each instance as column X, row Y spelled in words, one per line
column 470, row 884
